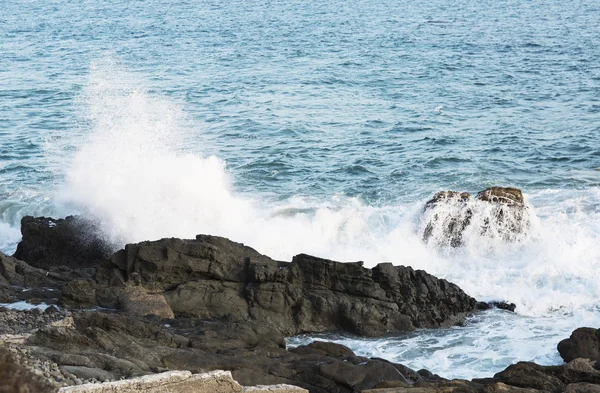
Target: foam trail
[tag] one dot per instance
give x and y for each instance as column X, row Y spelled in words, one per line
column 135, row 174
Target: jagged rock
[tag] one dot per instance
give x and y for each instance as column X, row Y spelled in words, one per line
column 213, row 277
column 449, row 214
column 583, row 343
column 71, row 242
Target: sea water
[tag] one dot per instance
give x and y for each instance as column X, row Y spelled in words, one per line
column 323, row 128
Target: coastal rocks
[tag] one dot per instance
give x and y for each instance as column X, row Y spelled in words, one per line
column 523, row 377
column 71, row 242
column 493, row 212
column 22, row 322
column 583, row 343
column 213, row 277
column 116, row 345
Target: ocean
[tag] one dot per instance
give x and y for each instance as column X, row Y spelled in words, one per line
column 323, row 128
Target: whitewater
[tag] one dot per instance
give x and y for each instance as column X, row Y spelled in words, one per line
column 326, row 149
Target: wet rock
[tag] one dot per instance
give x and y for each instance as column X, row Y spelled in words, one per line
column 583, row 343
column 449, row 214
column 71, row 242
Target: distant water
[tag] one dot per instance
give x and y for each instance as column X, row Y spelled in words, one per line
column 323, row 128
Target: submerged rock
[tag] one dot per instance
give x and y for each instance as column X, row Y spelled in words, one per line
column 449, row 215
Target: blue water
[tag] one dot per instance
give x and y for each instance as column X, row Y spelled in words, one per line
column 321, row 128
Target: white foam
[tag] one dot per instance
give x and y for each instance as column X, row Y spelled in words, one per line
column 9, row 236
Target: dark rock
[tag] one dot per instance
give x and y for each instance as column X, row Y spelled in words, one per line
column 72, row 242
column 361, row 377
column 530, row 375
column 502, row 305
column 583, row 343
column 212, row 277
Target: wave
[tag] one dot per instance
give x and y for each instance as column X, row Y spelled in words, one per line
column 137, row 175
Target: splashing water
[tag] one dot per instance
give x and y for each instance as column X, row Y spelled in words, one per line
column 137, row 175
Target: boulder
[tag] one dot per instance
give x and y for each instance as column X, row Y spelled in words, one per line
column 583, row 343
column 449, row 214
column 71, row 242
column 213, row 277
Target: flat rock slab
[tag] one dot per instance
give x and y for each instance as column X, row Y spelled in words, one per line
column 179, row 382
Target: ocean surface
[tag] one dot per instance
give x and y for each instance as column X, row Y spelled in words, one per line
column 323, row 127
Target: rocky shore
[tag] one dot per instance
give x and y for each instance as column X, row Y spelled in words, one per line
column 195, row 306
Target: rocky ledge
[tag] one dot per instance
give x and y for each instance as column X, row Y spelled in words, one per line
column 210, row 304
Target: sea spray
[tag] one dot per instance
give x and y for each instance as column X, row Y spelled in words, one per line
column 135, row 174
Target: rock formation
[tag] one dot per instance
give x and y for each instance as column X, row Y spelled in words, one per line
column 211, row 277
column 210, row 304
column 494, row 212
